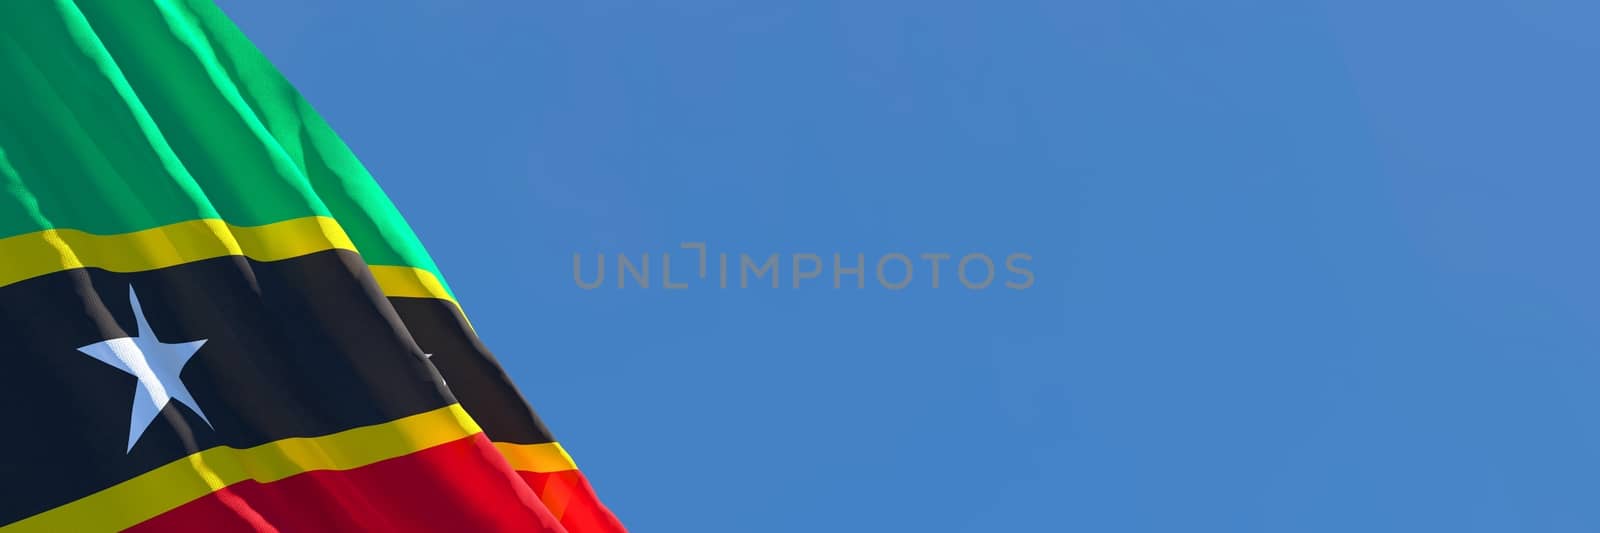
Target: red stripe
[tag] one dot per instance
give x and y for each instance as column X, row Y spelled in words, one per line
column 569, row 497
column 464, row 485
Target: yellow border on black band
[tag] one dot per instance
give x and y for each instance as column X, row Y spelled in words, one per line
column 170, row 486
column 184, row 480
column 174, row 484
column 39, row 253
column 544, row 458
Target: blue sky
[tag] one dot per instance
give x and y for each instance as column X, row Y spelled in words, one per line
column 1300, row 266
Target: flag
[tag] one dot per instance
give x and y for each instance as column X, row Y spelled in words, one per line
column 213, row 319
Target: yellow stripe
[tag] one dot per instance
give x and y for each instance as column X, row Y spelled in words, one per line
column 43, row 252
column 167, row 487
column 544, row 458
column 402, row 281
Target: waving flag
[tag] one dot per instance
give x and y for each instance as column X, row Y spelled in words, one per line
column 213, row 319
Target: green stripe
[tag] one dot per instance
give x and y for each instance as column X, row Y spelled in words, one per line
column 123, row 115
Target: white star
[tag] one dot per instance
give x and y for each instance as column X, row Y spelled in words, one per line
column 430, row 356
column 155, row 364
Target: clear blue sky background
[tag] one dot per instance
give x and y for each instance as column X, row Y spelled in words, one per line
column 1301, row 266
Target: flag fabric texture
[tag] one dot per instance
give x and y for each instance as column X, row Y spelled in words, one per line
column 212, row 318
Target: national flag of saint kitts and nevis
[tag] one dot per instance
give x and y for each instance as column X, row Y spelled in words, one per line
column 211, row 317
